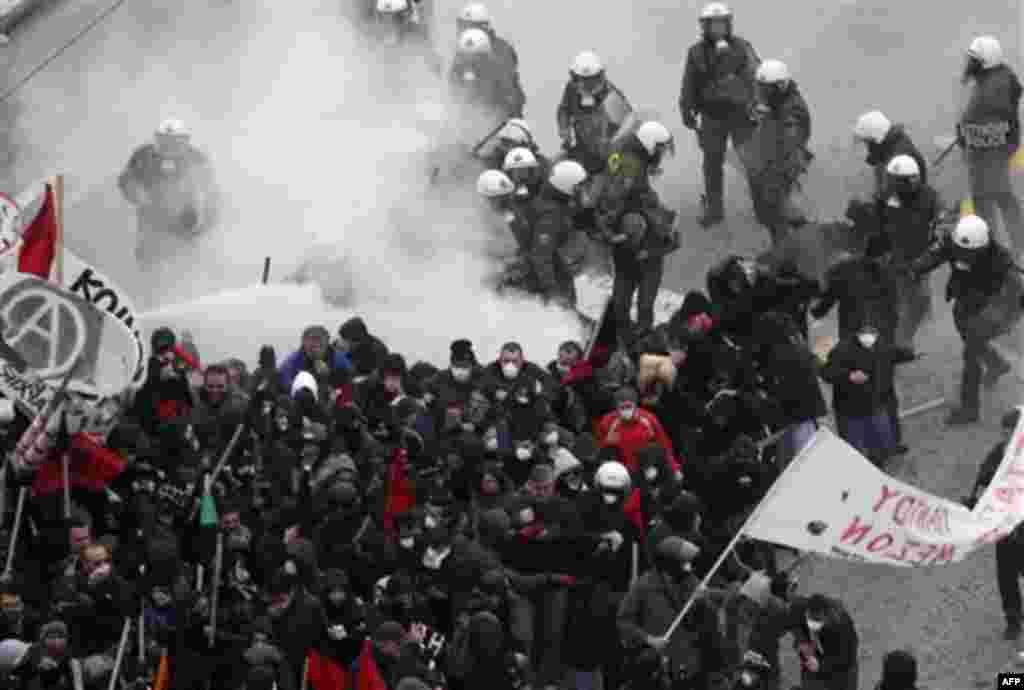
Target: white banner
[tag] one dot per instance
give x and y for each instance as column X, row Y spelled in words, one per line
column 47, row 332
column 832, row 500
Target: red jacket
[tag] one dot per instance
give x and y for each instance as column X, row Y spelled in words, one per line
column 644, row 430
column 326, row 674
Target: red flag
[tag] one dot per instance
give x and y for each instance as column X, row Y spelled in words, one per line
column 91, row 466
column 401, row 492
column 368, row 676
column 324, row 673
column 39, row 240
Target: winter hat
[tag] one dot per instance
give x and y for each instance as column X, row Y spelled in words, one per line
column 565, row 462
column 162, row 338
column 393, row 363
column 462, row 352
column 53, row 629
column 354, row 330
column 677, row 549
column 316, row 332
column 305, row 380
column 625, row 394
column 12, row 654
column 411, row 683
column 389, row 631
column 899, row 671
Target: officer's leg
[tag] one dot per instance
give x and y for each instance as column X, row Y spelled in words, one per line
column 1008, row 570
column 650, row 281
column 996, row 365
column 970, row 383
column 713, row 139
column 622, row 294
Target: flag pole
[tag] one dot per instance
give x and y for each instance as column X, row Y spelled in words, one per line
column 58, row 208
column 805, row 453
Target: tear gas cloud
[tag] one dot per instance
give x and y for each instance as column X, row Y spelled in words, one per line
column 322, row 153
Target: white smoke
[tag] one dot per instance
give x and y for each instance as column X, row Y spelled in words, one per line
column 323, row 151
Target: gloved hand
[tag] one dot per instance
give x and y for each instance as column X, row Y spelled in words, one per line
column 690, row 119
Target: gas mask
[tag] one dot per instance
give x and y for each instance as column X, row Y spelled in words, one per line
column 524, row 453
column 867, row 339
column 461, row 374
column 815, row 626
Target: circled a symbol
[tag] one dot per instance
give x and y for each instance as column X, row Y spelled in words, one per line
column 49, row 332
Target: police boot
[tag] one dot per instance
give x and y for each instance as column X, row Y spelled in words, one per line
column 713, row 212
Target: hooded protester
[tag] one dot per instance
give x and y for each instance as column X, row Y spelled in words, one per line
column 166, row 395
column 826, row 641
column 553, row 225
column 366, row 351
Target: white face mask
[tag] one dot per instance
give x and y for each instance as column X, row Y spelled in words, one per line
column 407, row 542
column 551, row 439
column 893, row 202
column 337, row 632
column 961, row 266
column 526, row 516
column 721, row 45
column 523, row 453
column 627, row 413
column 868, row 340
column 610, row 499
column 469, row 75
column 430, row 521
column 491, row 444
column 460, row 374
column 587, row 101
column 509, row 217
column 651, row 473
column 815, row 626
column 510, row 370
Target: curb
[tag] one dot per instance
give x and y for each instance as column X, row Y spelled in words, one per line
column 13, row 12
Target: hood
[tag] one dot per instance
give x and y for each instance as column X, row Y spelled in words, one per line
column 305, row 380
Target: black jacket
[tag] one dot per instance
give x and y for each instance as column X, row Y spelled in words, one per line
column 856, row 400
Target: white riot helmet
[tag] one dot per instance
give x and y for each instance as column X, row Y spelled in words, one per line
column 392, row 7
column 566, row 176
column 516, row 132
column 971, row 233
column 172, row 137
column 519, row 159
column 586, row 65
column 715, row 10
column 494, row 184
column 612, row 476
column 474, row 42
column 903, row 166
column 772, row 72
column 474, row 15
column 987, row 51
column 872, row 126
column 653, row 135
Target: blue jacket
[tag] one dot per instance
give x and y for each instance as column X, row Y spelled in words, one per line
column 298, row 361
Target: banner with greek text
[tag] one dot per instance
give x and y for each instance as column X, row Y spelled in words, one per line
column 831, row 500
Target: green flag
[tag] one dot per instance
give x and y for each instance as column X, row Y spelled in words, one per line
column 208, row 511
